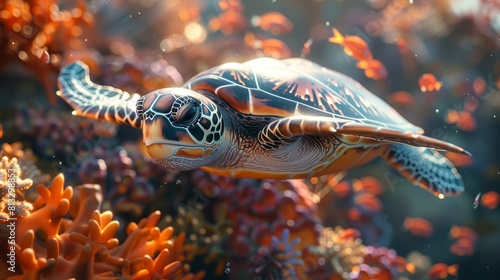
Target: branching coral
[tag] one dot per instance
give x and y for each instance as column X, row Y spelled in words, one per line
column 53, row 245
column 26, row 160
column 12, row 202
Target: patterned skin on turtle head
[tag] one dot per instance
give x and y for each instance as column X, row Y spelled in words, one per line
column 181, row 128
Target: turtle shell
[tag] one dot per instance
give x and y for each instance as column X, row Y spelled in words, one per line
column 284, row 88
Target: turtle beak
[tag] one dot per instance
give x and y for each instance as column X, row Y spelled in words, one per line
column 161, row 151
column 155, row 141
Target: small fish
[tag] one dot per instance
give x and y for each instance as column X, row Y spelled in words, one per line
column 479, row 86
column 464, row 120
column 457, row 232
column 274, row 22
column 401, row 97
column 369, row 185
column 273, row 47
column 418, row 227
column 462, row 247
column 403, row 46
column 225, row 5
column 442, row 271
column 428, row 82
column 229, row 22
column 476, row 200
column 374, row 69
column 368, row 202
column 490, row 200
column 354, row 46
column 350, row 234
column 306, row 49
column 459, row 160
column 341, row 189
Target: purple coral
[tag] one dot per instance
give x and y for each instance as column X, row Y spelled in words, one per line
column 279, row 260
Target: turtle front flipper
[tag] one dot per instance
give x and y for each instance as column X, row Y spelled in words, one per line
column 426, row 168
column 288, row 129
column 95, row 101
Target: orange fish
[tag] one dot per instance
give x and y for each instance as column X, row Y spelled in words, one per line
column 374, row 69
column 274, row 22
column 418, row 227
column 442, row 271
column 464, row 244
column 464, row 120
column 463, row 232
column 353, row 214
column 367, row 185
column 459, row 160
column 428, row 82
column 462, row 247
column 490, row 200
column 479, row 86
column 401, row 98
column 354, row 46
column 230, row 21
column 225, row 5
column 273, row 47
column 1, row 130
column 350, row 234
column 403, row 46
column 471, row 104
column 368, row 202
column 342, row 189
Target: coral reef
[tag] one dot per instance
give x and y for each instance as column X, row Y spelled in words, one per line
column 50, row 243
column 12, row 204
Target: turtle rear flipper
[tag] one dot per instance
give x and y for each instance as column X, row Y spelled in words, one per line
column 426, row 168
column 95, row 101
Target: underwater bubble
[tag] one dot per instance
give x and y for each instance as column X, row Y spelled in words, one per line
column 227, row 270
column 178, row 182
column 437, row 110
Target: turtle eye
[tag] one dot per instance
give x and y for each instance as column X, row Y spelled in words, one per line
column 139, row 107
column 188, row 113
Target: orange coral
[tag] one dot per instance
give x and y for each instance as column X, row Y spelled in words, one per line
column 51, row 245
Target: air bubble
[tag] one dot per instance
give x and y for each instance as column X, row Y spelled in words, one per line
column 178, row 182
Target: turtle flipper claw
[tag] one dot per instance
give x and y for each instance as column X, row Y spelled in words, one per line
column 96, row 101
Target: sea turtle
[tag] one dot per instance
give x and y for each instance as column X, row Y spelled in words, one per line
column 268, row 118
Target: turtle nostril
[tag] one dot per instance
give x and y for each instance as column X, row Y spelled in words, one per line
column 139, row 107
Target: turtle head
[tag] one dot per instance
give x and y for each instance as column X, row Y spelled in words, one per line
column 181, row 128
